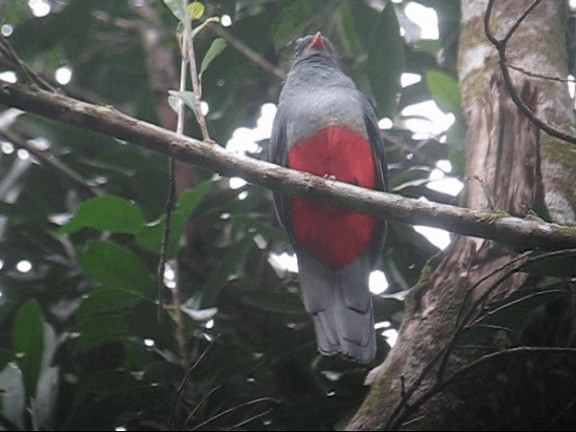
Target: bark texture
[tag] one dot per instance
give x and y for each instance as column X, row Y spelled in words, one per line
column 500, row 226
column 444, row 373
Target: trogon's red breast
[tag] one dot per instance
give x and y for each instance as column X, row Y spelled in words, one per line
column 325, row 126
column 336, row 236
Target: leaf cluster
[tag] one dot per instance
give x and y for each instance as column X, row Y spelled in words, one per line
column 81, row 346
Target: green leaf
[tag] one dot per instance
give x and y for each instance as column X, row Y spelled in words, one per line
column 380, row 38
column 444, row 89
column 46, row 397
column 106, row 213
column 457, row 160
column 115, row 267
column 541, row 211
column 224, row 269
column 50, row 346
column 162, row 372
column 191, row 198
column 98, row 330
column 456, row 134
column 291, row 21
column 215, row 49
column 195, row 10
column 284, row 302
column 429, row 46
column 12, row 395
column 150, row 237
column 105, row 301
column 178, row 8
column 142, row 322
column 28, row 342
column 104, row 384
column 186, row 96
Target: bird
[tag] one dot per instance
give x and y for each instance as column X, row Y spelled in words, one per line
column 324, row 125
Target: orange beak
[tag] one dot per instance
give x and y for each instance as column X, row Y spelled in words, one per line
column 317, row 42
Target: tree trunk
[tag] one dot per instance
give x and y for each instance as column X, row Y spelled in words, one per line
column 458, row 364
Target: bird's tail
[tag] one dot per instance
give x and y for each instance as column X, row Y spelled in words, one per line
column 341, row 308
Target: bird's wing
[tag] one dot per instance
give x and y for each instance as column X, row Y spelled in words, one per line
column 279, row 156
column 382, row 183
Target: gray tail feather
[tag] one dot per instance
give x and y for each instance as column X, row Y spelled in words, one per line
column 345, row 331
column 341, row 308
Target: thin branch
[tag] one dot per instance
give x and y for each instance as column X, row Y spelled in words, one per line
column 201, row 402
column 501, row 46
column 249, row 420
column 402, row 406
column 508, row 269
column 169, row 207
column 522, row 234
column 470, row 367
column 162, row 77
column 541, row 76
column 519, row 21
column 465, row 317
column 252, row 55
column 508, row 304
column 231, row 410
column 464, row 321
column 314, row 21
column 32, row 77
column 465, row 313
column 189, row 56
column 419, row 155
column 47, row 159
column 183, row 384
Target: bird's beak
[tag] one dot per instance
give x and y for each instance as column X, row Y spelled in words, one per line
column 317, row 42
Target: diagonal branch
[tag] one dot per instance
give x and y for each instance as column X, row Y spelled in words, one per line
column 248, row 52
column 47, row 159
column 499, row 226
column 394, row 423
column 501, row 45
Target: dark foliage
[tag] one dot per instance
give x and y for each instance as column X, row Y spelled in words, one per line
column 80, row 344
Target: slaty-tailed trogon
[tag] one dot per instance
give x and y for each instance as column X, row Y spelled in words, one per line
column 325, row 126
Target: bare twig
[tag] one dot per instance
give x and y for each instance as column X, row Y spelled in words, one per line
column 519, row 21
column 508, row 269
column 541, row 76
column 465, row 320
column 189, row 56
column 414, row 150
column 200, row 403
column 470, row 367
column 230, row 411
column 501, row 45
column 313, row 21
column 183, row 383
column 249, row 419
column 169, row 207
column 252, row 55
column 520, row 233
column 162, row 78
column 48, row 160
column 32, row 77
column 402, row 406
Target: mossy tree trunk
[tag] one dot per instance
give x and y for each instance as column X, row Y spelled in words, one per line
column 483, row 346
